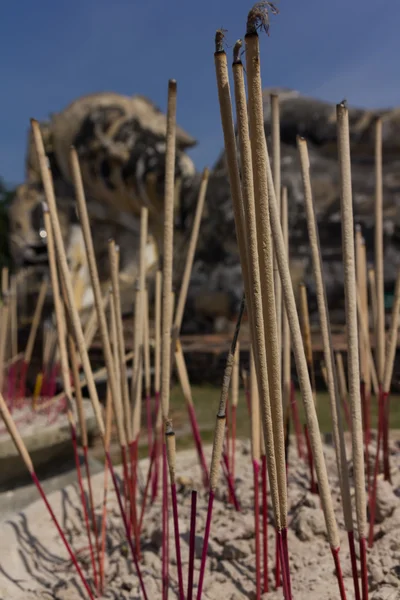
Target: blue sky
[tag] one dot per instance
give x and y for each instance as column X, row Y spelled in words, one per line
column 52, row 51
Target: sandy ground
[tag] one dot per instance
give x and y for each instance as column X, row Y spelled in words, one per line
column 34, row 564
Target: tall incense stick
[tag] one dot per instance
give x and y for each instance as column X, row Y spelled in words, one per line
column 77, row 327
column 332, row 383
column 346, row 201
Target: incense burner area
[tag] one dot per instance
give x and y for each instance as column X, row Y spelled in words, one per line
column 47, row 437
column 34, row 563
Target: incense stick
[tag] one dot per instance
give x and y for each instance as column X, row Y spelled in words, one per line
column 218, row 441
column 180, row 307
column 23, row 452
column 61, row 335
column 343, row 387
column 351, row 331
column 32, row 337
column 255, row 450
column 192, row 547
column 264, row 243
column 306, row 330
column 76, row 325
column 252, row 281
column 332, row 383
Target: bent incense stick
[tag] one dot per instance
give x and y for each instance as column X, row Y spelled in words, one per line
column 219, row 434
column 346, row 202
column 77, row 329
column 23, row 452
column 331, row 377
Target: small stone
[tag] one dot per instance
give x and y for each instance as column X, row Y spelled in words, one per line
column 309, row 522
column 386, row 501
column 376, row 573
column 236, row 549
column 385, row 592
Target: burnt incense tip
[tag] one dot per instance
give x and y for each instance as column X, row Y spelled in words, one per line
column 236, row 52
column 221, row 414
column 33, row 121
column 219, row 40
column 258, row 17
column 45, row 207
column 172, row 85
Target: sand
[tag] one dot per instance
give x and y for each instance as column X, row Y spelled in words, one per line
column 34, row 564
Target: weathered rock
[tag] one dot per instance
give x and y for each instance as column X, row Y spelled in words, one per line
column 315, row 121
column 121, row 146
column 386, row 501
column 309, row 522
column 386, row 592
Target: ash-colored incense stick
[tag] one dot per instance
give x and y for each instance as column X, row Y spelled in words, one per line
column 392, row 340
column 157, row 380
column 23, row 452
column 219, row 434
column 94, row 278
column 138, row 364
column 62, row 347
column 276, row 170
column 306, row 330
column 331, row 377
column 256, row 454
column 255, row 309
column 301, row 363
column 77, row 327
column 264, row 243
column 4, row 281
column 138, row 327
column 49, row 192
column 379, row 273
column 92, row 324
column 346, row 201
column 190, row 252
column 147, row 376
column 168, row 247
column 101, row 317
column 343, row 387
column 234, row 404
column 374, row 304
column 113, row 253
column 286, row 347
